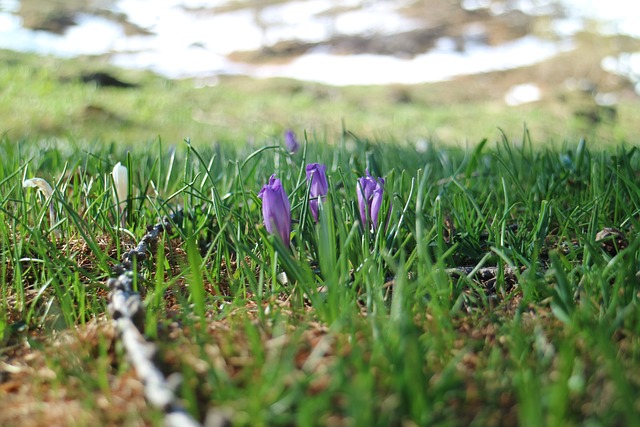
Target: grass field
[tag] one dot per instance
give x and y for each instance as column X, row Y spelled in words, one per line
column 500, row 289
column 45, row 98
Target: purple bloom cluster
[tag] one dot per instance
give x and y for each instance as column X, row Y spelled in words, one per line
column 290, row 141
column 318, row 186
column 276, row 208
column 370, row 191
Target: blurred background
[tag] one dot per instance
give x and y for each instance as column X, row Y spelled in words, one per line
column 417, row 71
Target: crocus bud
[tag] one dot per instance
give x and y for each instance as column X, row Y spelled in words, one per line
column 318, row 186
column 41, row 185
column 290, row 141
column 370, row 192
column 46, row 189
column 121, row 182
column 276, row 209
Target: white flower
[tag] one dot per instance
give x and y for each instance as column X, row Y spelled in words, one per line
column 46, row 189
column 41, row 185
column 121, row 182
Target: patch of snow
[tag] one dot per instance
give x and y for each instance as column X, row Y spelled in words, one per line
column 93, row 35
column 611, row 16
column 436, row 65
column 523, row 94
column 177, row 62
column 171, row 25
column 473, row 5
column 374, row 18
column 614, row 16
column 11, row 6
column 606, row 99
column 567, row 27
column 626, row 65
column 302, row 21
column 188, row 40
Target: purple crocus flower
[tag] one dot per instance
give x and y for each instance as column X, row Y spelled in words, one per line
column 318, row 186
column 370, row 191
column 290, row 141
column 276, row 209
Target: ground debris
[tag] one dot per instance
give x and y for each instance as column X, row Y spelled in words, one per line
column 487, row 276
column 612, row 240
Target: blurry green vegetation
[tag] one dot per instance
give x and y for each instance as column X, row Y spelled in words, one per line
column 44, row 98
